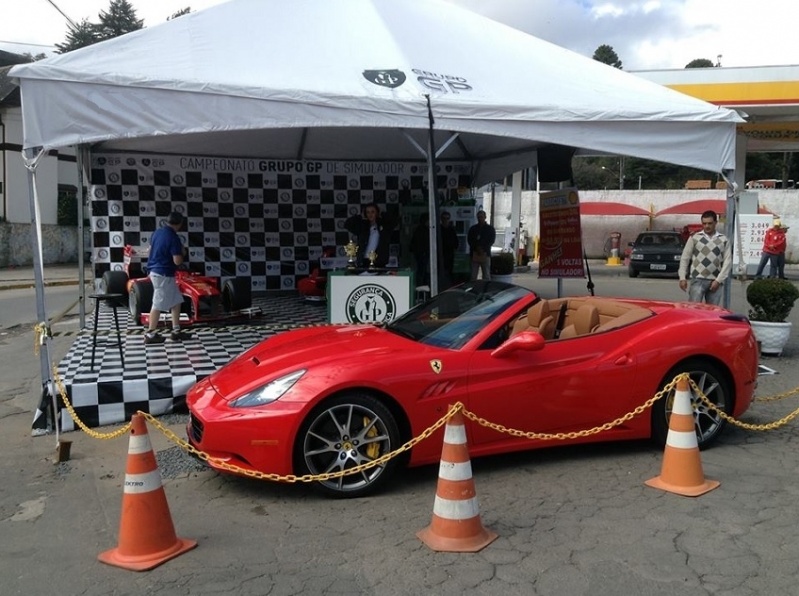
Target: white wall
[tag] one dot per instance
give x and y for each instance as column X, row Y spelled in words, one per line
column 596, row 229
column 50, row 172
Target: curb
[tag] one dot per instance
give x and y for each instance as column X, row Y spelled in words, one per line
column 20, row 285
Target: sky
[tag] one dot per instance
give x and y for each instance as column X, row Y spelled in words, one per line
column 646, row 34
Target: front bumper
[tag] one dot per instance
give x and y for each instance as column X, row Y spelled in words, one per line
column 253, row 439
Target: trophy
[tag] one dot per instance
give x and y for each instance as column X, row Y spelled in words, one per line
column 371, row 255
column 351, row 250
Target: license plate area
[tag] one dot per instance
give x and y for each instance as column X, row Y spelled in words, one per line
column 657, row 266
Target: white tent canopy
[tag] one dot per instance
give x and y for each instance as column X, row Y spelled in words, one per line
column 354, row 80
column 295, row 80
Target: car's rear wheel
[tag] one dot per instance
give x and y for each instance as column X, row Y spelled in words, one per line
column 632, row 272
column 236, row 294
column 708, row 423
column 344, row 432
column 114, row 282
column 140, row 300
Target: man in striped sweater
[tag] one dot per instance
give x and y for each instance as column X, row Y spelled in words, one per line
column 706, row 262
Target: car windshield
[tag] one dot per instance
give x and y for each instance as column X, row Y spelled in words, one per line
column 658, row 240
column 453, row 317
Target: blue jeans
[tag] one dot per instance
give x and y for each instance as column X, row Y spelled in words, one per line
column 773, row 261
column 699, row 291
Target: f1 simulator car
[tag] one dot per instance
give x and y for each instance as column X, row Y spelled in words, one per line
column 205, row 298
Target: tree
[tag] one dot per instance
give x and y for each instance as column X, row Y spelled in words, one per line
column 607, row 55
column 120, row 19
column 180, row 13
column 700, row 63
column 34, row 58
column 85, row 34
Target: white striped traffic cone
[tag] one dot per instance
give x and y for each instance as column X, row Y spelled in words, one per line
column 146, row 532
column 682, row 467
column 456, row 525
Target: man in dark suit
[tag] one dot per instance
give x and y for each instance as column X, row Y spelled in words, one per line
column 372, row 232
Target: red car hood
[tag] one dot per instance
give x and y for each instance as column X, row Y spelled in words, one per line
column 286, row 352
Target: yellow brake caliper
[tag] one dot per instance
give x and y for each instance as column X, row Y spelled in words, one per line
column 373, row 450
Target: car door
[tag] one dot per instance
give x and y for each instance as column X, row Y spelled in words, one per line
column 569, row 385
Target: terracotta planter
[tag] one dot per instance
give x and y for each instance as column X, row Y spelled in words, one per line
column 771, row 336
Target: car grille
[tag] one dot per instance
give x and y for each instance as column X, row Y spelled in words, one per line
column 195, row 429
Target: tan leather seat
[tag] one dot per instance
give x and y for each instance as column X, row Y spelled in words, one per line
column 535, row 315
column 547, row 327
column 584, row 321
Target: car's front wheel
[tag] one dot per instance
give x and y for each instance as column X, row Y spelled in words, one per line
column 344, row 432
column 632, row 272
column 707, row 422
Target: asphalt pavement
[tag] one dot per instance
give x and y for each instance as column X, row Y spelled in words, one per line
column 571, row 520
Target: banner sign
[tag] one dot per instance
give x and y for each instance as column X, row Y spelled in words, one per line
column 561, row 246
column 266, row 220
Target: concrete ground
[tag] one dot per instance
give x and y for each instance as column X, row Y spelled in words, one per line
column 570, row 520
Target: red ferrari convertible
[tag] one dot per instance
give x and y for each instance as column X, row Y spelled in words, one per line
column 323, row 399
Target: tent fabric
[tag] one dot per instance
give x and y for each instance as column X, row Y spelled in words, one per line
column 700, row 206
column 313, row 79
column 610, row 208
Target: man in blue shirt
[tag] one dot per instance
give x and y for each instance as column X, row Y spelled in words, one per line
column 166, row 254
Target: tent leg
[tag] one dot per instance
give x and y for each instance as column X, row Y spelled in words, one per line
column 46, row 407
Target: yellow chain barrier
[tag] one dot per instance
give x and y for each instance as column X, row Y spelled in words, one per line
column 745, row 425
column 74, row 415
column 306, row 477
column 778, row 396
column 574, row 434
column 383, row 459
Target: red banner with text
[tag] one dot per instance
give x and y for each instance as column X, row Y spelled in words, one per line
column 561, row 245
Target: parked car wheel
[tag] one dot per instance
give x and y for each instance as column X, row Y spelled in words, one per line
column 342, row 433
column 140, row 300
column 236, row 294
column 632, row 272
column 115, row 282
column 708, row 423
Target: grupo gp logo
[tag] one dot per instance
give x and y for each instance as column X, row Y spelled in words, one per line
column 391, row 78
column 370, row 304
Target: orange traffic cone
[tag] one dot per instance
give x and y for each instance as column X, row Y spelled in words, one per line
column 146, row 533
column 456, row 525
column 682, row 468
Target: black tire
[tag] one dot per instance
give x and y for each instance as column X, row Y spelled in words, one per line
column 115, row 282
column 632, row 272
column 326, row 446
column 236, row 294
column 140, row 300
column 714, row 383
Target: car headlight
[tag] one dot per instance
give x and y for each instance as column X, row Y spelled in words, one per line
column 637, row 256
column 268, row 393
column 677, row 257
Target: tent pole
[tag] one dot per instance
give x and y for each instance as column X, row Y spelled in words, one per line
column 432, row 200
column 46, row 410
column 82, row 179
column 731, row 232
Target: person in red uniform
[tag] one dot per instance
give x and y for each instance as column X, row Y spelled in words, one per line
column 773, row 251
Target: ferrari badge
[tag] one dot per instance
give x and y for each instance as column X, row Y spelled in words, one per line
column 436, row 366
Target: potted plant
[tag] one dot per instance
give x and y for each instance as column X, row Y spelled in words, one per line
column 770, row 302
column 502, row 266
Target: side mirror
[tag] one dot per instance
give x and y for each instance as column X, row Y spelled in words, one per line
column 526, row 341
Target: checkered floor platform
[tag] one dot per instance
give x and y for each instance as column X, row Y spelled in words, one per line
column 155, row 378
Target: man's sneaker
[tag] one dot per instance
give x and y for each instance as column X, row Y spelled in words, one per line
column 179, row 336
column 155, row 338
